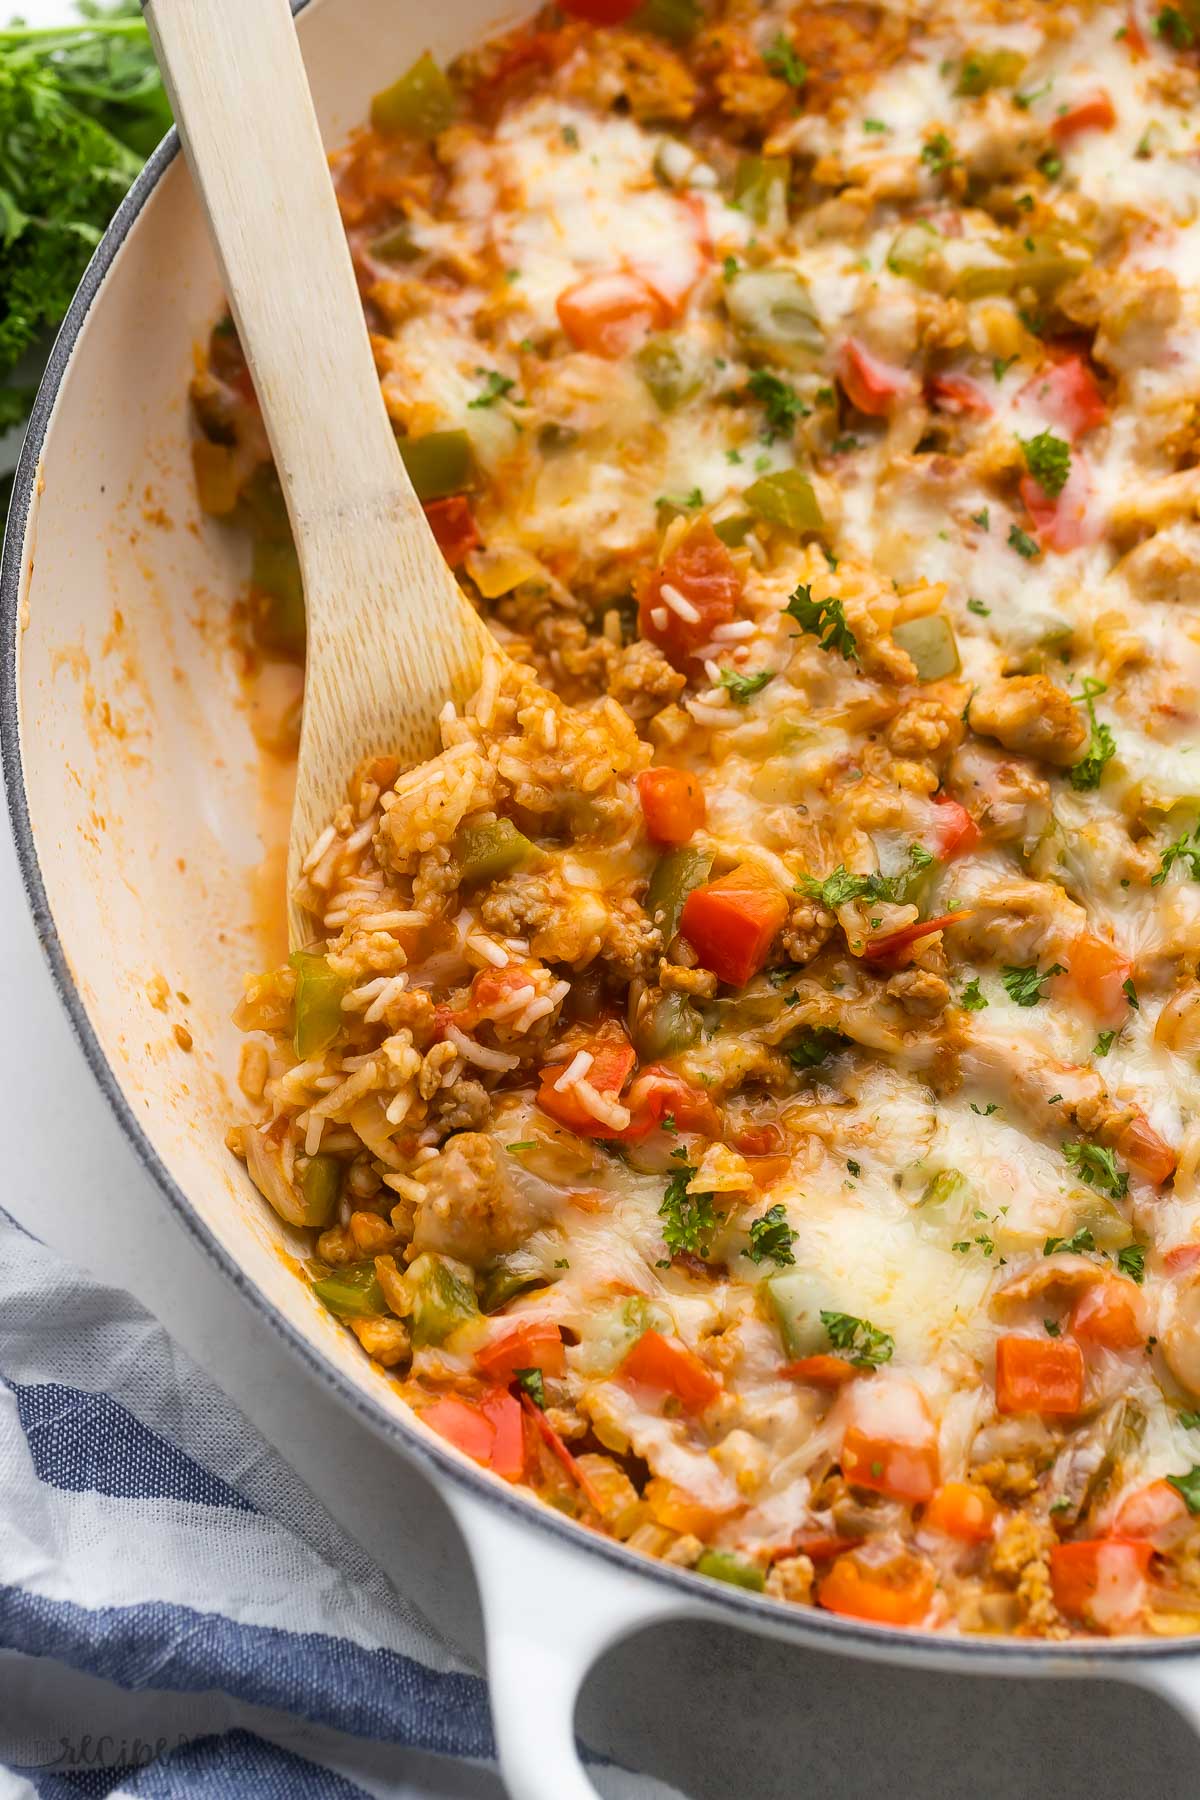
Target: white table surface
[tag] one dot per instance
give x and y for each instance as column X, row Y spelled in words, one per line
column 714, row 1712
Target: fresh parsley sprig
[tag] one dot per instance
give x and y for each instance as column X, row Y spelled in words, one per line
column 860, row 1342
column 825, row 619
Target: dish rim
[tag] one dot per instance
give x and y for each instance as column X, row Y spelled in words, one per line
column 755, row 1612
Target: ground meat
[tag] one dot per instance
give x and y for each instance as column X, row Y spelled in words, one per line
column 632, row 941
column 807, row 931
column 674, row 979
column 466, row 1106
column 1009, row 1478
column 1021, row 1556
column 919, row 992
column 651, row 80
column 641, row 674
column 1020, row 922
column 470, row 1209
column 386, row 1340
column 1032, row 715
column 926, row 728
column 791, row 1578
column 564, row 924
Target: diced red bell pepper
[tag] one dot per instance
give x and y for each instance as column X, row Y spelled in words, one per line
column 957, row 394
column 489, row 1432
column 1110, row 1314
column 613, row 1058
column 870, row 384
column 608, row 314
column 1146, row 1153
column 1096, row 975
column 891, row 1444
column 821, row 1371
column 699, row 572
column 1101, row 1581
column 657, row 1092
column 673, row 804
column 955, row 831
column 662, row 1362
column 1039, row 1375
column 893, row 1592
column 891, row 948
column 531, row 1344
column 453, row 525
column 1157, row 1513
column 1064, row 522
column 1069, row 395
column 963, row 1510
column 1095, row 112
column 732, row 922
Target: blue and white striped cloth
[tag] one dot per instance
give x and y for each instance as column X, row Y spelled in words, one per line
column 178, row 1615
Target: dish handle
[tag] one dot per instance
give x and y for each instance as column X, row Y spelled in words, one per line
column 549, row 1611
column 1175, row 1678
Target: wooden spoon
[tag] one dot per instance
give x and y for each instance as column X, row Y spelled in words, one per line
column 390, row 636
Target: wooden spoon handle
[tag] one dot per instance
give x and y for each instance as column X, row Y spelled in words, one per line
column 385, row 615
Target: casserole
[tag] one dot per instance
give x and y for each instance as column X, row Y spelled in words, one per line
column 127, row 750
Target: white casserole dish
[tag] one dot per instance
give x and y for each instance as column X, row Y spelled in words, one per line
column 134, row 784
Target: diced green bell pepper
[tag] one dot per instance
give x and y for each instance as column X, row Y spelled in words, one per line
column 420, row 103
column 318, row 1003
column 931, row 644
column 794, row 1299
column 502, row 1282
column 786, row 499
column 676, row 20
column 1108, row 1225
column 486, row 851
column 1015, row 261
column 945, row 1199
column 674, row 877
column 913, row 252
column 669, row 370
column 279, row 623
column 985, row 69
column 353, row 1292
column 772, row 312
column 723, row 1565
column 320, row 1186
column 439, row 463
column 733, row 528
column 395, row 246
column 665, row 1028
column 760, row 188
column 442, row 1299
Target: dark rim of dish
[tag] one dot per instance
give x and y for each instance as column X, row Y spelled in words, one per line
column 819, row 1628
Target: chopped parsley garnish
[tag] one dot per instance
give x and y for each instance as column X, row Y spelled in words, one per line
column 1048, row 459
column 841, row 446
column 1189, row 1420
column 858, row 1340
column 781, row 402
column 570, row 137
column 730, row 267
column 813, row 1044
column 1053, row 1328
column 1086, row 773
column 1130, row 993
column 1185, row 849
column 1024, row 986
column 531, row 1380
column 841, row 887
column 825, row 619
column 772, row 1236
column 1104, row 1043
column 689, row 1220
column 1132, row 1262
column 525, row 1144
column 1098, row 1167
column 1188, row 1488
column 1022, row 543
column 742, row 688
column 938, row 153
column 971, row 1000
column 985, row 1112
column 1171, row 25
column 979, row 609
column 1002, row 364
column 875, row 125
column 1051, row 165
column 495, row 387
column 854, row 1167
column 780, row 57
column 682, row 503
column 1080, row 1241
